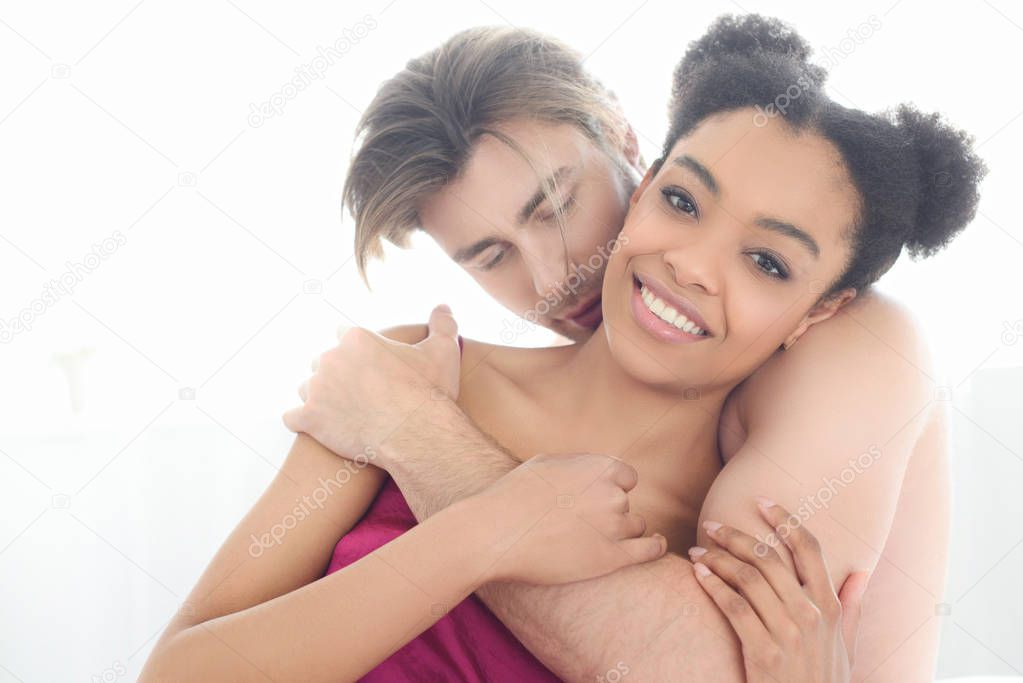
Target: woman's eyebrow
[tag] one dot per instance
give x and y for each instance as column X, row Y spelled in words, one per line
column 766, row 222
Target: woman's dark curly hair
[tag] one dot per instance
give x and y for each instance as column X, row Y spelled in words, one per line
column 919, row 173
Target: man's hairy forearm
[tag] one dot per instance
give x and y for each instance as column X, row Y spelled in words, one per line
column 652, row 621
column 440, row 457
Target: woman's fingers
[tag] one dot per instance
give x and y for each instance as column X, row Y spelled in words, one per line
column 747, row 580
column 806, row 554
column 851, row 597
column 303, row 391
column 748, row 549
column 737, row 610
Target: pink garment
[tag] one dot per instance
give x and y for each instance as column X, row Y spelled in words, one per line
column 467, row 644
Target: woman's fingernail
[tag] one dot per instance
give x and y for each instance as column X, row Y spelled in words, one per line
column 711, row 527
column 701, row 570
column 764, row 503
column 697, row 551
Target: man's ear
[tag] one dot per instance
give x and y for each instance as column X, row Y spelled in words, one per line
column 647, row 177
column 631, row 150
column 821, row 312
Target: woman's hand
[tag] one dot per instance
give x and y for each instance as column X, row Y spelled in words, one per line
column 562, row 518
column 364, row 389
column 791, row 628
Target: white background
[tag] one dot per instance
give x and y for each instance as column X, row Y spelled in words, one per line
column 116, row 488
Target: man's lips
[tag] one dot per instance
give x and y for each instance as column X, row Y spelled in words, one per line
column 587, row 315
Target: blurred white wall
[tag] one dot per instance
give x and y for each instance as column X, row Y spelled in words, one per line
column 205, row 262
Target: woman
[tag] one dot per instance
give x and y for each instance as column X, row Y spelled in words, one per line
column 833, row 156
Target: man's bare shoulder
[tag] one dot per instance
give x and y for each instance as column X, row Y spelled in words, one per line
column 873, row 341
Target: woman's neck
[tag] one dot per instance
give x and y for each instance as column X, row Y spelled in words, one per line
column 590, row 388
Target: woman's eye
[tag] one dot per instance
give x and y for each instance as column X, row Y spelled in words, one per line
column 770, row 266
column 679, row 200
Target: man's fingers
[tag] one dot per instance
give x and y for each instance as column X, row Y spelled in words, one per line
column 442, row 323
column 634, row 525
column 645, row 548
column 623, row 474
column 851, row 597
column 293, row 419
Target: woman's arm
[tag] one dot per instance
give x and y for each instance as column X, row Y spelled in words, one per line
column 256, row 565
column 342, row 625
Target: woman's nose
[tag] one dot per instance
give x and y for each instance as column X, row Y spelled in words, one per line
column 696, row 265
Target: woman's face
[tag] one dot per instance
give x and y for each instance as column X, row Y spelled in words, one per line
column 495, row 221
column 740, row 230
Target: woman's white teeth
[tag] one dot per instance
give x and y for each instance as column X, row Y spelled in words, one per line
column 668, row 314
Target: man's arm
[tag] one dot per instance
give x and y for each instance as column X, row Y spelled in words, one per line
column 843, row 430
column 654, row 620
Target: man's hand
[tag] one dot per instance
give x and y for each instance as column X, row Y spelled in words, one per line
column 364, row 389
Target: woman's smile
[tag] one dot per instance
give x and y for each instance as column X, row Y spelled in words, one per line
column 665, row 315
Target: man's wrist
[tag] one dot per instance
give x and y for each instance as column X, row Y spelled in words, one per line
column 427, row 424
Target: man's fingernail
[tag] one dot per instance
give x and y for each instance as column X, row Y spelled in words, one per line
column 701, row 570
column 711, row 526
column 697, row 551
column 764, row 502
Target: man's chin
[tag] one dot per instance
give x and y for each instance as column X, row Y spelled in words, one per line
column 570, row 330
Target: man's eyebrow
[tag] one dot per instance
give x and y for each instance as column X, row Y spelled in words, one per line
column 537, row 199
column 773, row 224
column 466, row 253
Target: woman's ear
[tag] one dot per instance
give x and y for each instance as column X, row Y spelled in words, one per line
column 819, row 313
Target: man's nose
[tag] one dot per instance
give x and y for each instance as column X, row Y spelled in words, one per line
column 548, row 264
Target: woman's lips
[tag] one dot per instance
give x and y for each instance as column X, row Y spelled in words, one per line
column 658, row 328
column 588, row 317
